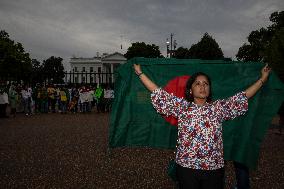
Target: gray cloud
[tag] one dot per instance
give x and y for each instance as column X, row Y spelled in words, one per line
column 71, row 27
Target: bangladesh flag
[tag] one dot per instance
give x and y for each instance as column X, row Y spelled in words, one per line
column 134, row 121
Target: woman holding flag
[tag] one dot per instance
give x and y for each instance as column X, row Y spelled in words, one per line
column 199, row 154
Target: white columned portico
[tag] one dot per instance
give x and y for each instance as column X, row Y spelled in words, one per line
column 112, row 75
column 101, row 66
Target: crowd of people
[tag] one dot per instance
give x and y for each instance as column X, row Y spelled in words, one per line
column 54, row 99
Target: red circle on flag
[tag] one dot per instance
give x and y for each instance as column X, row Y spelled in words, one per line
column 176, row 87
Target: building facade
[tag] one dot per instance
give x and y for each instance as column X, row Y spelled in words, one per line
column 98, row 69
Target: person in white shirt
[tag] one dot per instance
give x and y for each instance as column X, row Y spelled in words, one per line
column 108, row 96
column 4, row 101
column 27, row 99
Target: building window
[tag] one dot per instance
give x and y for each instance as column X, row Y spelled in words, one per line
column 91, row 79
column 99, row 69
column 83, row 69
column 83, row 79
column 76, row 79
column 76, row 69
column 91, row 69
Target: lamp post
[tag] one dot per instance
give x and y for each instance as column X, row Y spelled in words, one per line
column 171, row 46
column 168, row 45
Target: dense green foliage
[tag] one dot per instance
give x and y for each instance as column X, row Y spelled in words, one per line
column 182, row 53
column 141, row 49
column 53, row 69
column 15, row 63
column 207, row 49
column 274, row 53
column 266, row 44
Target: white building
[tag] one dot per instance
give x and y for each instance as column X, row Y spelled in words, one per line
column 98, row 69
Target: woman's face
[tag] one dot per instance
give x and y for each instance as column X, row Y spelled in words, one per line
column 200, row 88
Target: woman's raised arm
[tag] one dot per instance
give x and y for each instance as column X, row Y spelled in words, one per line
column 150, row 85
column 250, row 92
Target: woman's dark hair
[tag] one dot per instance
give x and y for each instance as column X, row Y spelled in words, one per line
column 191, row 80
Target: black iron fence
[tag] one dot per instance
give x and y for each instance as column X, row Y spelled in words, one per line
column 89, row 77
column 69, row 78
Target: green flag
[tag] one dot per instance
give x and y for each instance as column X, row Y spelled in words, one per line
column 134, row 121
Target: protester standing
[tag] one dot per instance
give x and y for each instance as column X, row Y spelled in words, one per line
column 99, row 94
column 13, row 99
column 108, row 96
column 27, row 100
column 3, row 102
column 63, row 100
column 51, row 98
column 199, row 154
column 44, row 100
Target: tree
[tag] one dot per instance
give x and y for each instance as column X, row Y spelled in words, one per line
column 140, row 49
column 274, row 53
column 181, row 53
column 274, row 50
column 254, row 51
column 248, row 53
column 15, row 63
column 260, row 39
column 37, row 71
column 266, row 45
column 277, row 19
column 53, row 69
column 207, row 48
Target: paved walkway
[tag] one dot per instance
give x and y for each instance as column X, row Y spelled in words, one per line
column 70, row 151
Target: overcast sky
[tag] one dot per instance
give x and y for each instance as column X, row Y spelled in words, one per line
column 81, row 28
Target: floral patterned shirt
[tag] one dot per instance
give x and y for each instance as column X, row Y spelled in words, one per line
column 200, row 143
